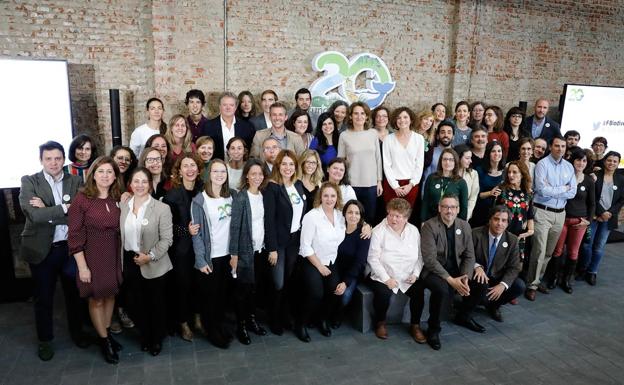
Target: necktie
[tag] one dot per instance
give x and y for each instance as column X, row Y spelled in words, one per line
column 491, row 255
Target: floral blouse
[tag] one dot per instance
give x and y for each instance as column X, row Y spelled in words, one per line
column 520, row 204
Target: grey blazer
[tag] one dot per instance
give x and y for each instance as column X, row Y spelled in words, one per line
column 38, row 232
column 258, row 122
column 434, row 247
column 156, row 236
column 241, row 241
column 506, row 265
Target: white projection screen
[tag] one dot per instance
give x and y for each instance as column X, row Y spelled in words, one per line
column 594, row 111
column 35, row 105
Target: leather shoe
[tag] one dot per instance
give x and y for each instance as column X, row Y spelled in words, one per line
column 543, row 289
column 417, row 334
column 302, row 333
column 185, row 332
column 433, row 339
column 530, row 294
column 325, row 329
column 242, row 334
column 45, row 351
column 252, row 325
column 116, row 345
column 81, row 340
column 591, row 278
column 469, row 323
column 155, row 349
column 495, row 313
column 381, row 331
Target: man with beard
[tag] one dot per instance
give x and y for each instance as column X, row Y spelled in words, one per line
column 444, row 138
column 478, row 142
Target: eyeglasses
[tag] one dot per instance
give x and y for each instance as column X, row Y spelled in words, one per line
column 153, row 160
column 445, row 207
column 516, row 116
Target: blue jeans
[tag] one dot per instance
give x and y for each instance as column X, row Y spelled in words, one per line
column 348, row 293
column 594, row 250
column 368, row 197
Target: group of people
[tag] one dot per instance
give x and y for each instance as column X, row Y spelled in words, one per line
column 271, row 211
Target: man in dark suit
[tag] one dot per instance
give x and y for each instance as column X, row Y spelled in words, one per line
column 44, row 198
column 539, row 125
column 497, row 266
column 225, row 126
column 448, row 255
column 263, row 120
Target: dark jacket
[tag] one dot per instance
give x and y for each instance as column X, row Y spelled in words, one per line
column 180, row 204
column 242, row 128
column 278, row 214
column 618, row 197
column 241, row 240
column 434, row 247
column 506, row 265
column 41, row 222
column 550, row 129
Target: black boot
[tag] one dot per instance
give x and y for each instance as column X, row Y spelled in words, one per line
column 302, row 332
column 568, row 276
column 242, row 334
column 551, row 273
column 254, row 327
column 116, row 345
column 110, row 355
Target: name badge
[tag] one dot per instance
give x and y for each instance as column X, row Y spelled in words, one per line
column 66, row 198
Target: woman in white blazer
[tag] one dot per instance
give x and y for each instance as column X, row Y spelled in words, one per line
column 146, row 235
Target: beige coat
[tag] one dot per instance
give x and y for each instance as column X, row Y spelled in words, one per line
column 293, row 142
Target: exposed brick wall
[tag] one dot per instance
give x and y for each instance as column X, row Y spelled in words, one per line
column 499, row 51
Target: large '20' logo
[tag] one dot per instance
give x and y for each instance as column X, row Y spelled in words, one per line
column 339, row 80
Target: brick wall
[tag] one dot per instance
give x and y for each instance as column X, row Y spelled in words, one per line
column 499, row 51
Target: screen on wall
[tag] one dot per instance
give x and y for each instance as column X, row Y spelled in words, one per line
column 35, row 106
column 594, row 111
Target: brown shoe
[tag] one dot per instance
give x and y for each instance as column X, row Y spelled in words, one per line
column 530, row 294
column 543, row 289
column 197, row 325
column 185, row 332
column 380, row 331
column 417, row 334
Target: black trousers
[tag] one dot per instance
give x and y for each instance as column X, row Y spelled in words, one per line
column 439, row 289
column 246, row 293
column 284, row 290
column 57, row 264
column 317, row 292
column 478, row 295
column 182, row 287
column 145, row 300
column 214, row 290
column 381, row 301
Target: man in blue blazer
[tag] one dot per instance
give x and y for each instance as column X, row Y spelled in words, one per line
column 539, row 125
column 225, row 126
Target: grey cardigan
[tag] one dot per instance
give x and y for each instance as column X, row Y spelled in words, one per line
column 241, row 241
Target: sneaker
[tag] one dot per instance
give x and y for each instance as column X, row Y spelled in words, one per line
column 115, row 326
column 45, row 351
column 126, row 322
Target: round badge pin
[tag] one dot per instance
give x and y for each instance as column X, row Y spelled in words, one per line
column 66, row 198
column 505, row 244
column 582, row 188
column 458, row 231
column 464, row 137
column 614, row 187
column 144, row 222
column 547, row 124
column 437, row 186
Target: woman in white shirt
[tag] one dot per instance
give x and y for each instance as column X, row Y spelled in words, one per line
column 211, row 210
column 155, row 125
column 403, row 155
column 396, row 262
column 322, row 231
column 146, row 235
column 337, row 173
column 470, row 175
column 236, row 151
column 246, row 247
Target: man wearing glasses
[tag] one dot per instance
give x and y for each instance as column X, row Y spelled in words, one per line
column 448, row 255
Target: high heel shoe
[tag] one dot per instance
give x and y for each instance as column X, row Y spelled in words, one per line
column 302, row 333
column 254, row 327
column 116, row 345
column 242, row 334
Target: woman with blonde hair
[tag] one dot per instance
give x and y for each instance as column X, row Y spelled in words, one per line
column 179, row 137
column 310, row 173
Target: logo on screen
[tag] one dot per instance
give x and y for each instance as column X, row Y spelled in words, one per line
column 575, row 95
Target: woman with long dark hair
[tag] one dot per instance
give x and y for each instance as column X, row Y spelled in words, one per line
column 514, row 127
column 325, row 141
column 490, row 177
column 155, row 125
column 82, row 152
column 446, row 180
